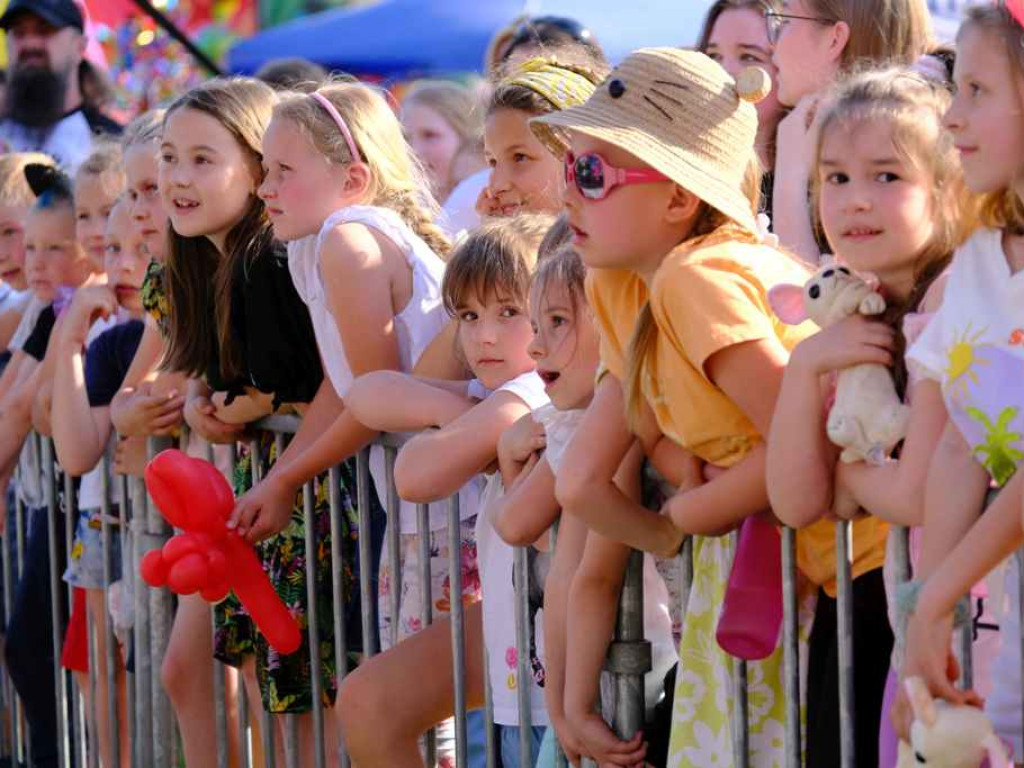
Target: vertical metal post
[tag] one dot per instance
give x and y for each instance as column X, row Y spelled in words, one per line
column 340, row 598
column 965, row 642
column 367, row 599
column 740, row 716
column 394, row 528
column 114, row 730
column 57, row 603
column 267, row 722
column 143, row 734
column 524, row 685
column 844, row 631
column 315, row 662
column 630, row 653
column 291, row 741
column 458, row 629
column 244, row 748
column 427, row 607
column 791, row 649
column 10, row 696
column 76, row 698
column 93, row 726
column 161, row 619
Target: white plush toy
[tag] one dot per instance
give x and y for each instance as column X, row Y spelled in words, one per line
column 947, row 736
column 868, row 419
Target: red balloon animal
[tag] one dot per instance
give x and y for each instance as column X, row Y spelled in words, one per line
column 208, row 558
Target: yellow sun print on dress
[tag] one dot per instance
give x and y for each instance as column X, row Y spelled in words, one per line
column 961, row 359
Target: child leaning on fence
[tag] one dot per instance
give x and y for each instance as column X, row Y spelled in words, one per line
column 485, row 289
column 343, row 190
column 663, row 190
column 972, row 358
column 891, row 201
column 227, row 276
column 85, row 380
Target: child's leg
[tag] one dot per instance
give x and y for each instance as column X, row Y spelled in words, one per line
column 96, row 605
column 187, row 677
column 383, row 714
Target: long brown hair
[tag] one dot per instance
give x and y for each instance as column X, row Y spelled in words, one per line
column 198, row 275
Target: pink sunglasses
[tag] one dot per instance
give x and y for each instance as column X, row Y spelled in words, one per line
column 595, row 177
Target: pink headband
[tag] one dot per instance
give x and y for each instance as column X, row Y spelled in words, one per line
column 336, row 116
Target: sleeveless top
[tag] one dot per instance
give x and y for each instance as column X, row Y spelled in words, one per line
column 416, row 325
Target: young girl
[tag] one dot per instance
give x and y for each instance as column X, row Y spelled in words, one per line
column 485, row 289
column 662, row 195
column 439, row 119
column 816, row 40
column 565, row 347
column 526, row 173
column 227, row 278
column 890, row 197
column 98, row 184
column 366, row 258
column 971, row 358
column 84, row 383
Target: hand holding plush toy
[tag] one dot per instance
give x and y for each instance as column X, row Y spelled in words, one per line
column 208, row 558
column 868, row 419
column 947, row 736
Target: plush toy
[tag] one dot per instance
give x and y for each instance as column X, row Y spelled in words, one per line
column 947, row 736
column 867, row 420
column 208, row 558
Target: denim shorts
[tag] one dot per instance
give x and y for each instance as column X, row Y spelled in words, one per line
column 85, row 562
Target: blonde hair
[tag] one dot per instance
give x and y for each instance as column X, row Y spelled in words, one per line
column 912, row 106
column 457, row 105
column 396, row 178
column 14, row 188
column 881, row 31
column 496, row 259
column 1003, row 209
column 145, row 128
column 709, row 224
column 199, row 277
column 106, row 161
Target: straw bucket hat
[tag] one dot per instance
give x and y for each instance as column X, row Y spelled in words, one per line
column 682, row 114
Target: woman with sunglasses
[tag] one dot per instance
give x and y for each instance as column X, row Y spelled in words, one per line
column 815, row 42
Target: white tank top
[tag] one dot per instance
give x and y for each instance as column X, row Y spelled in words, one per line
column 416, row 325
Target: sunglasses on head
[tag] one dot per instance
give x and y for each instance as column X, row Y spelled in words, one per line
column 595, row 177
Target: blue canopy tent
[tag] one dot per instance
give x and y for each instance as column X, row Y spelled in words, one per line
column 398, row 38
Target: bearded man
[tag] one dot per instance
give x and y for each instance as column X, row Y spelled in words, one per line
column 43, row 109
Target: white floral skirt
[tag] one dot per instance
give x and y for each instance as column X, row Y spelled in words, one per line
column 702, row 714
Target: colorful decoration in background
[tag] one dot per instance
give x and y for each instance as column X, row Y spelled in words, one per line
column 274, row 12
column 1016, row 7
column 147, row 67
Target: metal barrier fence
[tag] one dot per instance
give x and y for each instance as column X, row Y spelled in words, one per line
column 153, row 736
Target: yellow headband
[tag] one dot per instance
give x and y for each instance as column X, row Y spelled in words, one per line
column 559, row 85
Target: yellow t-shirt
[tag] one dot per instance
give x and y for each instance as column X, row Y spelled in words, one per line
column 705, row 298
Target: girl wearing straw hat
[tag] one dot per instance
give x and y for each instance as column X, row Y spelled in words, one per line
column 662, row 188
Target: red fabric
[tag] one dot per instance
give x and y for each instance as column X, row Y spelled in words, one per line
column 75, row 655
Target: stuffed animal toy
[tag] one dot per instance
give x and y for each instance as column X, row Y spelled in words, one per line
column 868, row 419
column 944, row 735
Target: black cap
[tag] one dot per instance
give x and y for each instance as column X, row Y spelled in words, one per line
column 57, row 13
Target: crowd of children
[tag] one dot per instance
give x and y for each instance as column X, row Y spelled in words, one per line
column 611, row 344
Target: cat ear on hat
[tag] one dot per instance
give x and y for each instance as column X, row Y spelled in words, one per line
column 43, row 179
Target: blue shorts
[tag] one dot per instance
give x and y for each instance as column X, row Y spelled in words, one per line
column 85, row 561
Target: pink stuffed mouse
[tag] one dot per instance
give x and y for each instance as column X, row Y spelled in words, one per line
column 868, row 419
column 947, row 736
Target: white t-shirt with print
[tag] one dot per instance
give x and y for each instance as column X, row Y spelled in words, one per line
column 974, row 348
column 495, row 561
